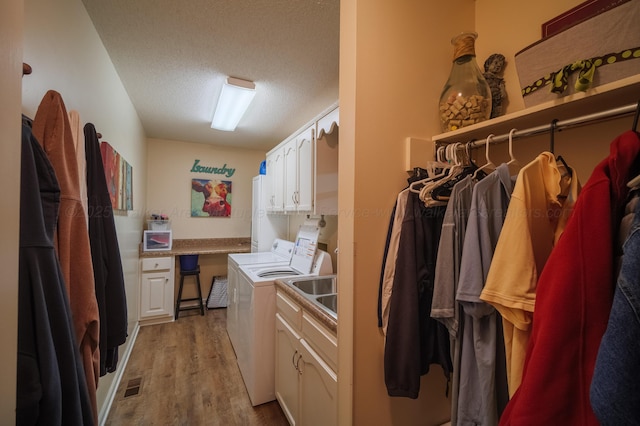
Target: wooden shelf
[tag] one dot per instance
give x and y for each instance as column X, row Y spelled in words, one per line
column 607, row 96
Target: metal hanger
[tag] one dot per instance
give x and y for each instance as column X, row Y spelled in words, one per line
column 554, row 126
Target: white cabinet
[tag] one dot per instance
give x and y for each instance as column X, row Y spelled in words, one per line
column 299, row 172
column 306, row 381
column 302, row 171
column 326, row 164
column 318, row 389
column 287, row 361
column 156, row 290
column 265, row 228
column 275, row 180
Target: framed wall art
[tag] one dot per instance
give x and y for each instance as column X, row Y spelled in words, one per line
column 119, row 175
column 210, row 198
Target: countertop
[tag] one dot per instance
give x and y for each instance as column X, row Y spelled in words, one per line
column 324, row 318
column 202, row 246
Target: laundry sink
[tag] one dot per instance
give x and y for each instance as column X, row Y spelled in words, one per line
column 330, row 302
column 319, row 290
column 315, row 285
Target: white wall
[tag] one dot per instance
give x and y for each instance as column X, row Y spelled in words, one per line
column 169, row 191
column 66, row 54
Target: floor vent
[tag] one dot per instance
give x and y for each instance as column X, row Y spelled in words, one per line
column 133, row 387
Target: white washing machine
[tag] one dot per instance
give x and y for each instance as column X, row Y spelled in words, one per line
column 256, row 308
column 280, row 254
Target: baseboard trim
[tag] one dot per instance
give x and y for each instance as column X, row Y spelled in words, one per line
column 122, row 365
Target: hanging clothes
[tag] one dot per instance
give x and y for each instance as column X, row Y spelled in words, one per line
column 444, row 307
column 52, row 129
column 574, row 298
column 482, row 364
column 615, row 389
column 414, row 340
column 51, row 383
column 541, row 202
column 77, row 133
column 105, row 255
column 390, row 255
column 389, row 259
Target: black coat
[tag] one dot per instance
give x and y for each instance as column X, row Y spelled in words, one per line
column 415, row 340
column 51, row 384
column 105, row 254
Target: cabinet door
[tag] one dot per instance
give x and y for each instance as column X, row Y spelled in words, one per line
column 156, row 294
column 304, row 152
column 275, row 181
column 232, row 308
column 318, row 389
column 290, row 176
column 287, row 356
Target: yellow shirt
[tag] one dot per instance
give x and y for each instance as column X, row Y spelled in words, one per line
column 541, row 203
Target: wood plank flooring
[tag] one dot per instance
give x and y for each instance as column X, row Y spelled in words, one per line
column 188, row 375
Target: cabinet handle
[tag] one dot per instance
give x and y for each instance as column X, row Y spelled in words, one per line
column 293, row 359
column 297, row 366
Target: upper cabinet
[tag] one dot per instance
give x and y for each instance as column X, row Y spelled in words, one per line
column 302, row 171
column 299, row 172
column 326, row 163
column 275, row 179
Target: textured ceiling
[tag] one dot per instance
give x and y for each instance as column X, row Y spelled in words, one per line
column 173, row 57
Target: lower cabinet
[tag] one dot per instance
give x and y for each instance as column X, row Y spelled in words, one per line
column 306, row 384
column 156, row 290
column 287, row 372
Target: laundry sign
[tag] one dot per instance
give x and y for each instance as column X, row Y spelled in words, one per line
column 224, row 170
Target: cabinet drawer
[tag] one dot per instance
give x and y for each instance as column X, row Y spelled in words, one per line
column 321, row 339
column 156, row 263
column 289, row 309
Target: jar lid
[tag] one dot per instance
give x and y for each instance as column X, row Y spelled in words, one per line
column 464, row 44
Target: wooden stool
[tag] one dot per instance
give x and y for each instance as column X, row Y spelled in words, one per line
column 185, row 273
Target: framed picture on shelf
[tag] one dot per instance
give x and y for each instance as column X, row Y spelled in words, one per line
column 157, row 241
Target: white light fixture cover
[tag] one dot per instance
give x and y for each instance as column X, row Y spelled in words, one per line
column 235, row 97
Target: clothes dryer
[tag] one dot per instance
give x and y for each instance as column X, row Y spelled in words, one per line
column 280, row 254
column 256, row 308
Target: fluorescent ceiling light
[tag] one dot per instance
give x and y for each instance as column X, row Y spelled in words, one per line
column 235, row 97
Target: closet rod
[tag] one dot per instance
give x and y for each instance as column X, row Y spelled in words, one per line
column 563, row 124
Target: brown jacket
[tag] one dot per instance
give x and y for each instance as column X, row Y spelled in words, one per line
column 52, row 129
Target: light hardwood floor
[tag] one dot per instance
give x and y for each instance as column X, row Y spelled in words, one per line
column 188, row 376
